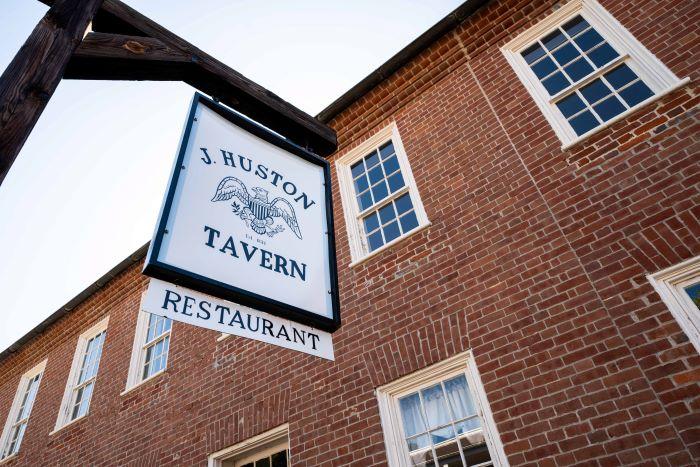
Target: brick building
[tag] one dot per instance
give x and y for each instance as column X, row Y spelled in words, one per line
column 517, row 281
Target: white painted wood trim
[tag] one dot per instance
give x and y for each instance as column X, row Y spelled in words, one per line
column 660, row 79
column 62, row 419
column 359, row 250
column 668, row 283
column 37, row 369
column 389, row 394
column 276, row 435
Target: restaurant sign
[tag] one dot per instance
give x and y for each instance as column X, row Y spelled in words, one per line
column 191, row 307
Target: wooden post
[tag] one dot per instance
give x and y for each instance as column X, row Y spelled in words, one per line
column 31, row 78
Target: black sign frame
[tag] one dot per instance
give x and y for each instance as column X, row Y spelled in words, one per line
column 179, row 276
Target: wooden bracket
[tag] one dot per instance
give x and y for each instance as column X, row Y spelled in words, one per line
column 214, row 78
column 126, row 45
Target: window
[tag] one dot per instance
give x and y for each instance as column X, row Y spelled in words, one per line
column 585, row 70
column 440, row 416
column 83, row 374
column 18, row 418
column 269, row 449
column 679, row 288
column 380, row 197
column 151, row 345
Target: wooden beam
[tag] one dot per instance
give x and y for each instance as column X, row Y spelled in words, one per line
column 233, row 89
column 104, row 45
column 206, row 74
column 33, row 74
column 118, row 56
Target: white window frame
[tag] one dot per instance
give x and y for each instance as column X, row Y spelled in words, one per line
column 359, row 249
column 63, row 418
column 268, row 443
column 660, row 79
column 389, row 394
column 669, row 284
column 11, row 421
column 138, row 352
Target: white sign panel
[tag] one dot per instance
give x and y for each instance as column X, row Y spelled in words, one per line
column 191, row 307
column 247, row 217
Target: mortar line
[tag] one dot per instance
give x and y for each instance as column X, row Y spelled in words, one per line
column 568, row 243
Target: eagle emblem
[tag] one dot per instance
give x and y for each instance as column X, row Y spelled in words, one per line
column 258, row 213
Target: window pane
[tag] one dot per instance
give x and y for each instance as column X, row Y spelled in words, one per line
column 357, row 169
column 636, row 93
column 263, row 462
column 565, row 54
column 409, row 222
column 443, row 434
column 578, row 69
column 279, row 459
column 544, row 67
column 391, row 165
column 29, row 396
column 411, row 416
column 570, row 105
column 620, row 76
column 386, row 213
column 595, row 91
column 436, row 411
column 458, row 395
column 693, row 292
column 532, row 53
column 418, row 442
column 477, row 455
column 468, row 425
column 575, row 26
column 371, row 222
column 380, row 191
column 448, row 455
column 553, row 40
column 583, row 123
column 588, row 39
column 375, row 240
column 387, row 150
column 403, row 203
column 375, row 175
column 555, row 83
column 609, row 108
column 602, row 55
column 396, row 182
column 365, row 200
column 372, row 160
column 391, row 231
column 361, row 184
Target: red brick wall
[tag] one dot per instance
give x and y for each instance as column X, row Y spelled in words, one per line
column 536, row 259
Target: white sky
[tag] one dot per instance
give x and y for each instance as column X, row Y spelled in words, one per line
column 85, row 191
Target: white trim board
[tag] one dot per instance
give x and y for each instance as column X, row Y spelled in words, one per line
column 669, row 284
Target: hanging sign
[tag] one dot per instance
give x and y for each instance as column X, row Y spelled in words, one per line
column 191, row 307
column 247, row 217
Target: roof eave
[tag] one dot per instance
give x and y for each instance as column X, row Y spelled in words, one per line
column 401, row 58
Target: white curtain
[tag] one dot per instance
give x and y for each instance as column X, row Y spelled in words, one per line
column 411, row 415
column 436, row 410
column 460, row 399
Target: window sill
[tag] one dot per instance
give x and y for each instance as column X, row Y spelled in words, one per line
column 82, row 417
column 386, row 246
column 9, row 458
column 625, row 114
column 142, row 382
